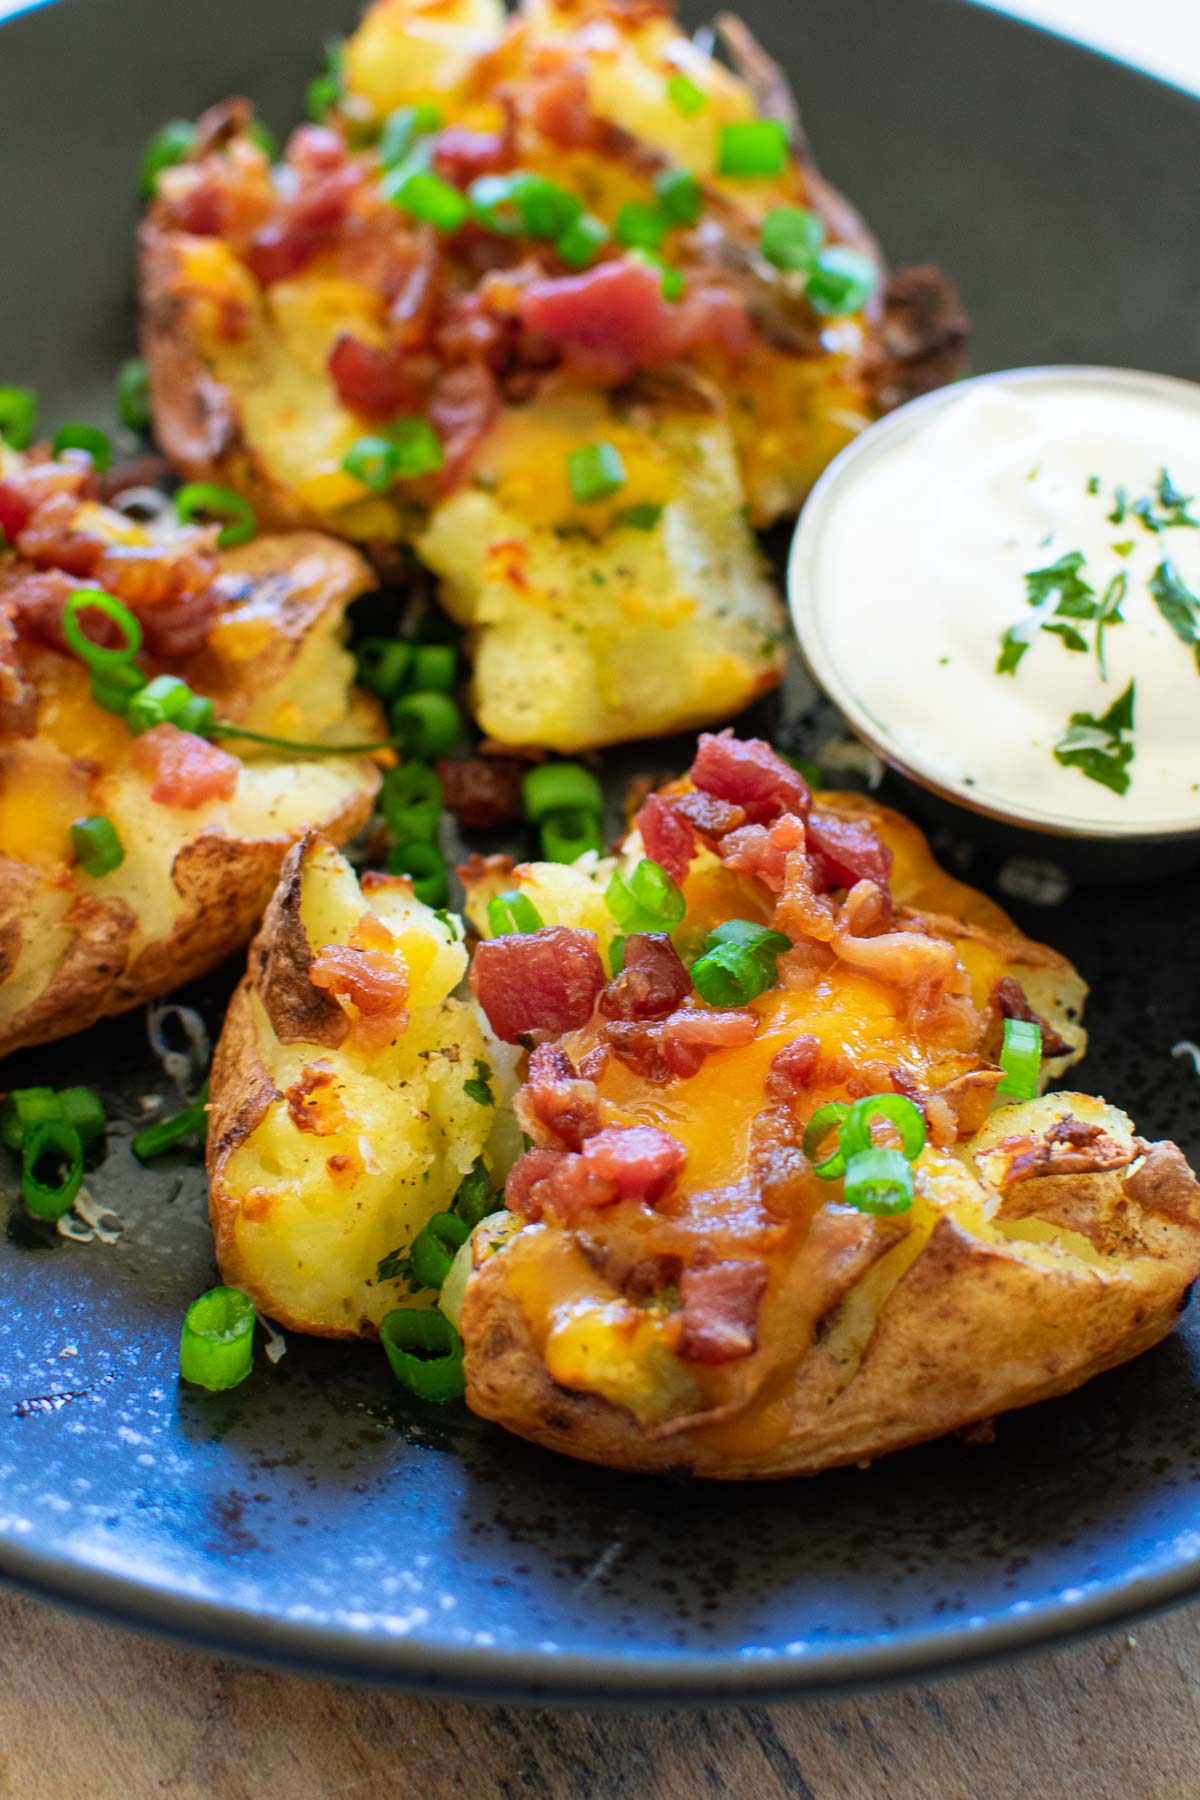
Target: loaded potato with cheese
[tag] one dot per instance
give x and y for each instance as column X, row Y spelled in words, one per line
column 562, row 303
column 141, row 833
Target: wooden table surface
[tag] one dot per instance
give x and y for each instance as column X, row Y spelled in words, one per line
column 88, row 1710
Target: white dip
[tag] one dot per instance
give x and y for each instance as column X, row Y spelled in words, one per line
column 918, row 570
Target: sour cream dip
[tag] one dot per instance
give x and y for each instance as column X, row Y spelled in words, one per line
column 1000, row 587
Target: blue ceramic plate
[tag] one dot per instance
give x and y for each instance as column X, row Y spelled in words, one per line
column 314, row 1517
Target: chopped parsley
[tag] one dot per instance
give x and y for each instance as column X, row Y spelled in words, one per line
column 1178, row 606
column 473, row 1201
column 1093, row 486
column 397, row 1266
column 477, row 1088
column 1110, row 614
column 1101, row 749
column 1164, row 508
column 1056, row 594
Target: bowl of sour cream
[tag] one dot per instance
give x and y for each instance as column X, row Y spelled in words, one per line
column 999, row 587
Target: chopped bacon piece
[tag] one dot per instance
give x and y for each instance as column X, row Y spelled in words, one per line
column 187, row 771
column 752, row 775
column 278, row 252
column 555, row 1097
column 51, row 540
column 483, row 791
column 15, row 508
column 793, row 1067
column 711, row 1030
column 763, row 851
column 530, row 1179
column 848, row 850
column 711, row 817
column 668, row 837
column 640, row 1047
column 373, row 982
column 538, row 983
column 315, row 150
column 1071, row 1147
column 375, row 382
column 468, row 332
column 1010, row 1002
column 459, row 154
column 462, row 410
column 652, row 983
column 559, row 107
column 148, row 470
column 639, row 1160
column 720, row 1311
column 35, row 598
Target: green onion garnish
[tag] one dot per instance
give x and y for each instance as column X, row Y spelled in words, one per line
column 133, row 395
column 81, row 1108
column 428, row 725
column 262, row 135
column 567, row 834
column 832, row 1116
column 164, row 1134
column 325, row 90
column 759, row 938
column 674, row 285
column 411, row 802
column 96, row 656
column 1021, row 1059
column 84, row 437
column 731, row 975
column 435, row 1246
column 473, row 1201
column 403, row 451
column 51, row 1146
column 160, row 701
column 512, row 912
column 427, row 197
column 434, row 668
column 879, row 1181
column 425, row 1353
column 640, row 518
column 369, row 460
column 198, row 715
column 898, row 1110
column 207, row 499
column 583, row 238
column 841, row 281
column 640, row 227
column 679, row 196
column 425, row 865
column 383, row 664
column 521, row 202
column 684, row 95
column 595, row 472
column 646, row 900
column 791, row 237
column 97, row 847
column 402, row 128
column 216, row 1347
column 616, row 956
column 18, row 416
column 114, row 686
column 752, row 148
column 549, row 787
column 172, row 143
column 23, row 1109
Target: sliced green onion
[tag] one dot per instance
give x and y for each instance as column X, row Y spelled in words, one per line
column 197, row 716
column 216, row 1347
column 752, row 149
column 759, row 938
column 582, row 240
column 429, row 725
column 1021, row 1059
column 325, row 90
column 512, row 912
column 898, row 1110
column 426, row 866
column 18, row 416
column 674, row 286
column 84, row 437
column 551, row 786
column 731, row 975
column 434, row 668
column 81, row 1108
column 160, row 701
column 370, row 460
column 164, row 1134
column 410, row 800
column 207, row 499
column 262, row 135
column 435, row 1246
column 827, row 1118
column 23, row 1109
column 114, row 687
column 640, row 227
column 616, row 956
column 97, row 847
column 647, row 900
column 473, row 1200
column 132, row 389
column 522, row 202
column 680, row 197
column 791, row 237
column 425, row 1353
column 640, row 518
column 416, row 448
column 684, row 95
column 55, row 1142
column 402, row 128
column 879, row 1181
column 95, row 655
column 841, row 281
column 383, row 663
column 427, row 197
column 567, row 834
column 595, row 472
column 172, row 143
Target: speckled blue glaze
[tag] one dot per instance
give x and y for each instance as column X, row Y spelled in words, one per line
column 312, row 1515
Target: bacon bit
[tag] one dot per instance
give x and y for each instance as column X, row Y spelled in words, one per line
column 278, row 252
column 483, row 791
column 463, row 407
column 711, row 817
column 311, row 1105
column 867, row 909
column 373, row 983
column 711, row 1030
column 848, row 850
column 376, row 383
column 640, row 1161
column 793, row 1067
column 1009, row 1001
column 764, row 851
column 468, row 332
column 15, row 509
column 748, row 772
column 460, row 155
column 904, row 958
column 50, row 540
column 558, row 1182
column 1070, row 1147
column 640, row 1048
column 35, row 599
column 558, row 103
column 187, row 771
column 668, row 837
column 720, row 1311
column 652, row 983
column 539, row 983
column 556, row 1099
column 147, row 470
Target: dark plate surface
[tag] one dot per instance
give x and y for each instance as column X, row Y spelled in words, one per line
column 312, row 1516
